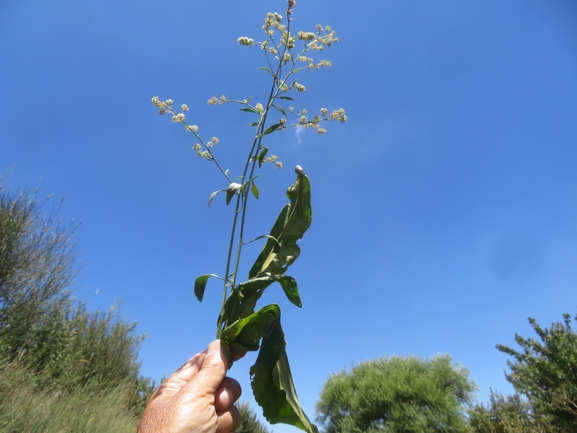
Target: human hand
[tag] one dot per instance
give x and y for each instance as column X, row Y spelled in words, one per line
column 197, row 398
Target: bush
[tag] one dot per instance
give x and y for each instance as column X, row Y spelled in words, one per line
column 504, row 415
column 56, row 357
column 36, row 268
column 396, row 395
column 24, row 408
column 249, row 422
column 545, row 372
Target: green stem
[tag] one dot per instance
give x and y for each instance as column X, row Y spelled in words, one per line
column 242, row 202
column 255, row 149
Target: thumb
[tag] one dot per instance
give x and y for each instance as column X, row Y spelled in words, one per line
column 213, row 370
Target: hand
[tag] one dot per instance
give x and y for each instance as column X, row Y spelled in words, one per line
column 197, row 398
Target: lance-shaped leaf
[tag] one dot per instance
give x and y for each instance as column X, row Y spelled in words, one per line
column 254, row 190
column 213, row 195
column 249, row 110
column 271, row 378
column 245, row 334
column 272, row 383
column 262, row 155
column 242, row 301
column 291, row 290
column 200, row 285
column 270, row 129
column 289, row 227
column 232, row 189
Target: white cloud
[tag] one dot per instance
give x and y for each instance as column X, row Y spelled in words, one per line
column 298, row 132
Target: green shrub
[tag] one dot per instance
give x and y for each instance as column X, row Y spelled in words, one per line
column 62, row 367
column 24, row 408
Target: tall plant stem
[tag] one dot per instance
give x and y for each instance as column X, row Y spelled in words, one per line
column 242, row 199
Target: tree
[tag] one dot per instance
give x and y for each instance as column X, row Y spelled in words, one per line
column 249, row 423
column 36, row 266
column 546, row 372
column 505, row 415
column 396, row 395
column 44, row 329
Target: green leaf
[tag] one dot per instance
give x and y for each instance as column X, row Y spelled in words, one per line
column 232, row 189
column 242, row 301
column 261, row 237
column 254, row 190
column 280, row 109
column 271, row 378
column 262, row 68
column 249, row 110
column 254, row 124
column 249, row 293
column 244, row 187
column 245, row 333
column 272, row 383
column 213, row 195
column 270, row 129
column 286, row 98
column 291, row 290
column 289, row 227
column 262, row 155
column 252, row 290
column 200, row 285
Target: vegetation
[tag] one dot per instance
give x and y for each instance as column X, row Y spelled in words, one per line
column 62, row 368
column 504, row 415
column 544, row 375
column 26, row 407
column 396, row 395
column 249, row 422
column 240, row 326
column 545, row 372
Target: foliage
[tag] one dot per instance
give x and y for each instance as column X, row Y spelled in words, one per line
column 546, row 372
column 505, row 415
column 77, row 348
column 26, row 408
column 36, row 267
column 238, row 324
column 50, row 344
column 396, row 395
column 249, row 423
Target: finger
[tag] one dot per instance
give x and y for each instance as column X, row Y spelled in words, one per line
column 190, row 367
column 180, row 377
column 237, row 355
column 212, row 371
column 228, row 421
column 227, row 393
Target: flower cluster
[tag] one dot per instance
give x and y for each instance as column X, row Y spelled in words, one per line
column 281, row 48
column 214, row 100
column 314, row 122
column 325, row 37
column 206, row 154
column 163, row 106
column 338, row 115
column 166, row 107
column 245, row 41
column 313, row 65
column 273, row 21
column 274, row 158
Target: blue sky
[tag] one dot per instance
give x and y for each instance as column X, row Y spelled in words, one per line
column 443, row 210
